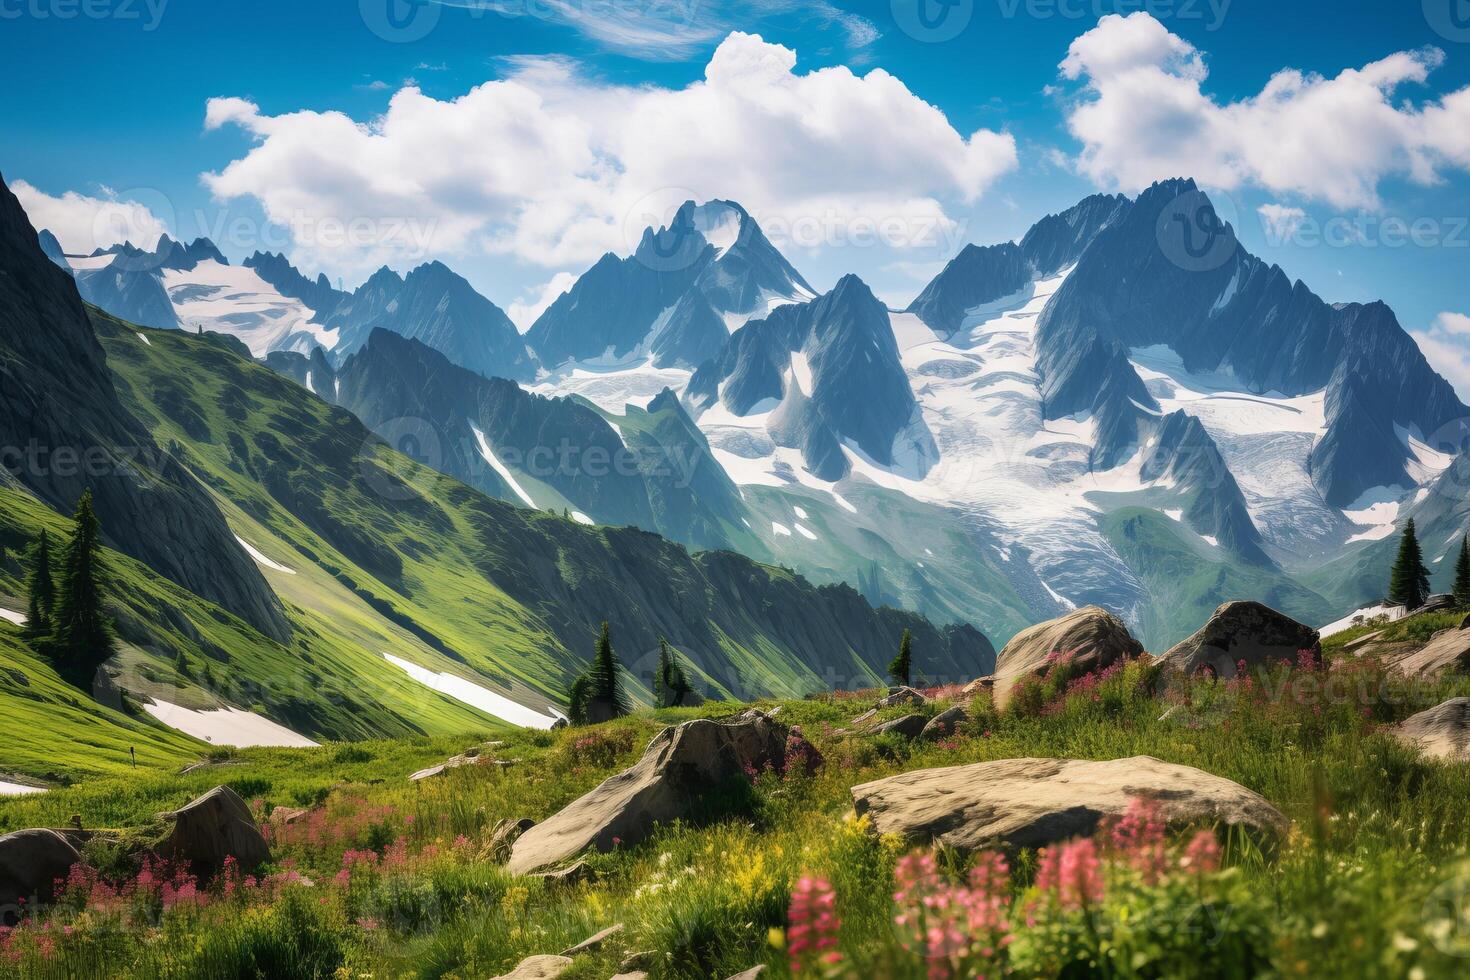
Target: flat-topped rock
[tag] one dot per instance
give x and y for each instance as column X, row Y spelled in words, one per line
column 1442, row 732
column 1447, row 652
column 216, row 826
column 1017, row 803
column 909, row 726
column 1247, row 632
column 538, row 968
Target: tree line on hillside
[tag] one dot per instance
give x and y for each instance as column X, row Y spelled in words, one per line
column 65, row 619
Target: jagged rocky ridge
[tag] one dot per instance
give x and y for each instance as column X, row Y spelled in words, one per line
column 57, row 396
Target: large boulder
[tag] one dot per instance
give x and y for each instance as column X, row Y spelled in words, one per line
column 214, row 827
column 1247, row 632
column 1442, row 732
column 1447, row 652
column 1015, row 803
column 944, row 724
column 679, row 766
column 909, row 726
column 31, row 861
column 1092, row 638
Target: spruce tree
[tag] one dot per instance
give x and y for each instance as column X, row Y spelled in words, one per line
column 671, row 684
column 81, row 635
column 1408, row 583
column 901, row 669
column 1462, row 574
column 605, row 679
column 42, row 589
column 577, row 700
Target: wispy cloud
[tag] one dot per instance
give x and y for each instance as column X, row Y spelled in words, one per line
column 673, row 30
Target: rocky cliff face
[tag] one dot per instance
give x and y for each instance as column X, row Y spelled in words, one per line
column 59, row 408
column 435, row 306
column 288, row 281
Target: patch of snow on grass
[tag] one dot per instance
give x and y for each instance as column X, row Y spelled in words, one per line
column 582, row 518
column 1174, row 514
column 780, row 529
column 1391, row 613
column 18, row 619
column 800, row 514
column 805, row 532
column 227, row 726
column 17, row 789
column 144, row 338
column 499, row 467
column 496, row 705
column 262, row 559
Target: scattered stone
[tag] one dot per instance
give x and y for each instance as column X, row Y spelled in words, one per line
column 538, row 968
column 568, row 877
column 1092, row 637
column 470, row 757
column 505, row 834
column 1353, row 646
column 865, row 717
column 31, row 861
column 594, row 941
column 943, row 725
column 752, row 974
column 1448, row 651
column 983, row 685
column 902, row 696
column 285, row 816
column 1238, row 632
column 678, row 767
column 1442, row 732
column 635, row 975
column 909, row 726
column 214, row 827
column 641, row 960
column 1019, row 803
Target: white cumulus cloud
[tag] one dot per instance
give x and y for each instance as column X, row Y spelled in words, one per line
column 1281, row 222
column 1447, row 346
column 1141, row 115
column 524, row 311
column 84, row 224
column 553, row 166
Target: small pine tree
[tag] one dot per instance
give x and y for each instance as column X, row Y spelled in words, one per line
column 1462, row 574
column 42, row 589
column 902, row 667
column 605, row 677
column 1408, row 583
column 81, row 635
column 577, row 699
column 672, row 684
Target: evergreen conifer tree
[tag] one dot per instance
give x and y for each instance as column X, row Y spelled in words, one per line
column 42, row 589
column 577, row 700
column 1462, row 574
column 81, row 637
column 672, row 684
column 1408, row 583
column 604, row 677
column 902, row 667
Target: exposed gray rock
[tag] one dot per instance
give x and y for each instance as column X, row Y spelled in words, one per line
column 1091, row 637
column 1448, row 651
column 594, row 941
column 569, row 876
column 30, row 863
column 909, row 726
column 1240, row 631
column 1442, row 732
column 504, row 836
column 538, row 968
column 902, row 696
column 1019, row 803
column 753, row 973
column 216, row 826
column 944, row 724
column 678, row 766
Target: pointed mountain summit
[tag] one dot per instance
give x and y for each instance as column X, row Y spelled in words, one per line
column 275, row 269
column 620, row 306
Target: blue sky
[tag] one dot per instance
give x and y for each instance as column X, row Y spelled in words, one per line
column 864, row 137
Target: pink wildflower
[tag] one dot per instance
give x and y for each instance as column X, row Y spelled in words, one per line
column 812, row 936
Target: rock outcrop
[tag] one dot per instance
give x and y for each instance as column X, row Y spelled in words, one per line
column 1247, row 632
column 679, row 765
column 1092, row 638
column 1017, row 803
column 943, row 725
column 538, row 968
column 1448, row 651
column 30, row 863
column 214, row 827
column 1442, row 732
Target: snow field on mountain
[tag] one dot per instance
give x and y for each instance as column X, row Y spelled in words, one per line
column 262, row 559
column 227, row 726
column 495, row 705
column 499, row 467
column 235, row 300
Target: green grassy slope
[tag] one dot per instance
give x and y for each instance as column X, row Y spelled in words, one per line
column 510, row 598
column 1187, row 586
